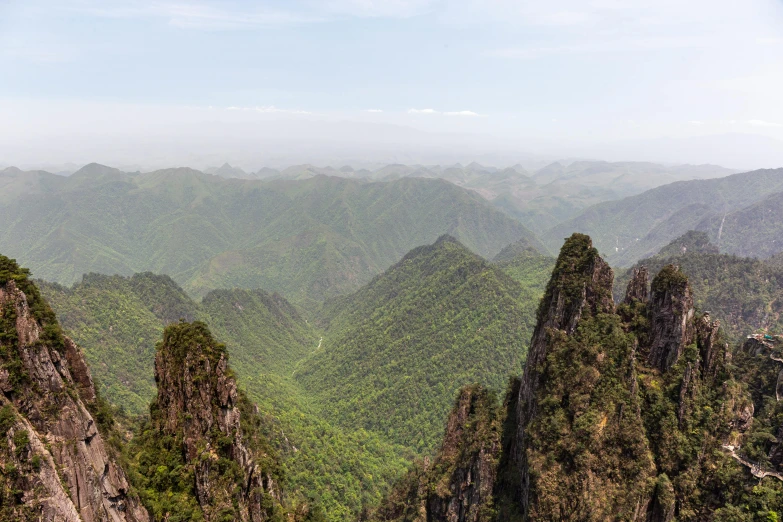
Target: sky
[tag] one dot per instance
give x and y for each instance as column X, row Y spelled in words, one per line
column 157, row 83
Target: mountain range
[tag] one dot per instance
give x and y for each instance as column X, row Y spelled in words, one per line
column 308, row 239
column 737, row 211
column 341, row 347
column 538, row 197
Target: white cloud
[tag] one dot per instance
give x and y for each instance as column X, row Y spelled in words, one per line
column 378, row 8
column 769, row 41
column 267, row 109
column 596, row 46
column 197, row 15
column 461, row 113
column 763, row 123
column 696, row 122
column 422, row 111
column 373, row 110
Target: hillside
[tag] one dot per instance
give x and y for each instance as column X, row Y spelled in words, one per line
column 395, row 352
column 15, row 183
column 752, row 231
column 745, row 294
column 637, row 227
column 527, row 267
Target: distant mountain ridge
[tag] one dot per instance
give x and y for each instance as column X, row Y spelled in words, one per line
column 740, row 213
column 537, row 198
column 307, row 239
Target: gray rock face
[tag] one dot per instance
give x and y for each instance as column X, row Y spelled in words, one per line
column 671, row 318
column 65, row 470
column 472, row 480
column 198, row 399
column 707, row 341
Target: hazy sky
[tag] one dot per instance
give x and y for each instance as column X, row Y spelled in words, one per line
column 167, row 81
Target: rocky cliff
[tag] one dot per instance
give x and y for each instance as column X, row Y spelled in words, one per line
column 55, row 462
column 640, row 412
column 457, row 485
column 204, row 438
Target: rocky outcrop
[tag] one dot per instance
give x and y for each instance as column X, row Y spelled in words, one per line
column 710, row 347
column 638, row 286
column 671, row 318
column 457, row 486
column 472, row 427
column 63, row 470
column 198, row 403
column 581, row 284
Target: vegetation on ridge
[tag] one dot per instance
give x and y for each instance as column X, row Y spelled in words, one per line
column 395, row 353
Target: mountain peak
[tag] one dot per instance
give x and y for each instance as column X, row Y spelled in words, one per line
column 96, row 170
column 200, row 415
column 692, row 241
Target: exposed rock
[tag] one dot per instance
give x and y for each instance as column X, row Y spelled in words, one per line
column 65, row 470
column 638, row 286
column 614, row 419
column 707, row 341
column 198, row 403
column 472, row 477
column 458, row 485
column 581, row 283
column 671, row 318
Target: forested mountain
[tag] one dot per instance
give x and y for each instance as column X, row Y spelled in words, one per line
column 638, row 226
column 307, row 239
column 528, row 267
column 636, row 412
column 15, row 183
column 395, row 352
column 203, row 454
column 745, row 294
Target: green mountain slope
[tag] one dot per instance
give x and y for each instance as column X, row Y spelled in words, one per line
column 395, row 353
column 527, row 267
column 638, row 226
column 307, row 239
column 745, row 294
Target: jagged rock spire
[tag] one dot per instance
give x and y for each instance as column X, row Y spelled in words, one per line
column 671, row 317
column 198, row 403
column 638, row 286
column 581, row 284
